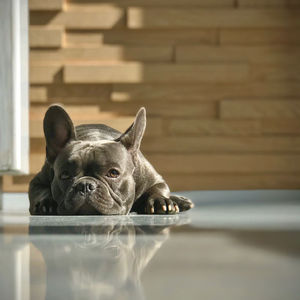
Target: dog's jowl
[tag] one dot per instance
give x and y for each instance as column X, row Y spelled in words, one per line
column 95, row 169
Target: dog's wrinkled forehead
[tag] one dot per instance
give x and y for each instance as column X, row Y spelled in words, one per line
column 106, row 154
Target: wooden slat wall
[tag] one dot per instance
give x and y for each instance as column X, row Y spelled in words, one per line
column 220, row 80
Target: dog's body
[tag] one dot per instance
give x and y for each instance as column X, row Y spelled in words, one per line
column 95, row 169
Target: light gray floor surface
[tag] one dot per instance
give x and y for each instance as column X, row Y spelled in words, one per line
column 232, row 245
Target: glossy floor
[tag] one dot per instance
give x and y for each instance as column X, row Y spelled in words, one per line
column 234, row 245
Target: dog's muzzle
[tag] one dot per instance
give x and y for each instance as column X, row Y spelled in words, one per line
column 92, row 196
column 85, row 187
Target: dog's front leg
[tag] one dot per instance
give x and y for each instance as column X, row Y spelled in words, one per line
column 40, row 196
column 157, row 200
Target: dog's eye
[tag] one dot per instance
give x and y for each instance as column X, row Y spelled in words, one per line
column 65, row 175
column 113, row 173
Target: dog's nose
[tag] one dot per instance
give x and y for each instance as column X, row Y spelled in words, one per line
column 85, row 187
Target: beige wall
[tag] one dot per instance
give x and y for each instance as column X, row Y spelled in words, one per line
column 220, row 80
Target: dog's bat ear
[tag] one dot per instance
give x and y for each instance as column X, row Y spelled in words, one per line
column 132, row 137
column 58, row 130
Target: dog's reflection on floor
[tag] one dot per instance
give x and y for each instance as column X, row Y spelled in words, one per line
column 97, row 262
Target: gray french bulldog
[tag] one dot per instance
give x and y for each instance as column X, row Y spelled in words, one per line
column 95, row 169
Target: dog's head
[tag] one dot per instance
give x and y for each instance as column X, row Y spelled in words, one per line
column 91, row 176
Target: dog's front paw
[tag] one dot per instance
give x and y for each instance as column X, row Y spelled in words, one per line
column 45, row 207
column 161, row 206
column 182, row 202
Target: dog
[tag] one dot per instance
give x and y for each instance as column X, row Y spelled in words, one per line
column 95, row 169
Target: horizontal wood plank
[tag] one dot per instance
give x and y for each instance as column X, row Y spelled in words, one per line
column 104, row 53
column 45, row 4
column 276, row 72
column 252, row 54
column 262, row 3
column 234, row 163
column 37, row 145
column 204, row 91
column 261, row 36
column 137, row 72
column 232, row 181
column 45, row 37
column 196, row 127
column 253, row 109
column 293, row 3
column 16, row 184
column 164, row 3
column 141, row 37
column 167, row 109
column 82, row 17
column 280, row 126
column 38, row 94
column 36, row 162
column 268, row 3
column 138, row 17
column 45, row 74
column 80, row 94
column 219, row 144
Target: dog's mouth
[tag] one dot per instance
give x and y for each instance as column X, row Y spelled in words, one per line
column 101, row 200
column 87, row 209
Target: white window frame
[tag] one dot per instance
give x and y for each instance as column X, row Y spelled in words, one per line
column 14, row 100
